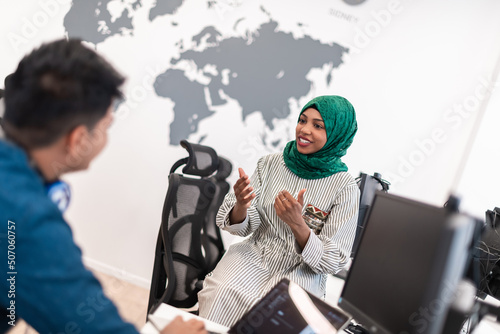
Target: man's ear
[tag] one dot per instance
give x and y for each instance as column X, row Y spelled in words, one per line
column 75, row 139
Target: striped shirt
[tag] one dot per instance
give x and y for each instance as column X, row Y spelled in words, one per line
column 250, row 268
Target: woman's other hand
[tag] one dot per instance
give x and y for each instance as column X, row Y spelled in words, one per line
column 289, row 210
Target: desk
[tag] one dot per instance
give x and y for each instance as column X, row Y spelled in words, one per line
column 334, row 288
column 165, row 313
column 488, row 324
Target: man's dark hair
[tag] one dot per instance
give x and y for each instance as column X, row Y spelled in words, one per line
column 56, row 88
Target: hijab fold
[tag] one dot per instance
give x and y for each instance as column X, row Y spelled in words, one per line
column 340, row 124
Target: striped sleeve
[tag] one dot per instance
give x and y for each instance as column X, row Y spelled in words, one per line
column 329, row 251
column 252, row 221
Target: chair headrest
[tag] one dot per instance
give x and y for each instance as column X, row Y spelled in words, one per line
column 224, row 169
column 202, row 160
column 376, row 176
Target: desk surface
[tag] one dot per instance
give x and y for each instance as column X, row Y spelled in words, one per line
column 166, row 313
column 334, row 288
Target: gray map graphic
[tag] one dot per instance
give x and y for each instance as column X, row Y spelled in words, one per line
column 261, row 71
column 263, row 75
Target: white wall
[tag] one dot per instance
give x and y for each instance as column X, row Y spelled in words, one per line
column 405, row 82
column 479, row 186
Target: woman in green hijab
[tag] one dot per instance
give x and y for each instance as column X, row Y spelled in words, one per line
column 299, row 209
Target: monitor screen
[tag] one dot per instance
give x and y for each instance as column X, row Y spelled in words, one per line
column 410, row 257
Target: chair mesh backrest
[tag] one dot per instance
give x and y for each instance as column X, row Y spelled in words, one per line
column 186, row 213
column 184, row 205
column 214, row 247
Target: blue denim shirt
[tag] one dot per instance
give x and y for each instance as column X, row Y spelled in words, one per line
column 43, row 279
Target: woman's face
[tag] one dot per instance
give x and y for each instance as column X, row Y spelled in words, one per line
column 310, row 133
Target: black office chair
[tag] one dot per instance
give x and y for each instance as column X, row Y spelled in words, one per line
column 368, row 185
column 180, row 256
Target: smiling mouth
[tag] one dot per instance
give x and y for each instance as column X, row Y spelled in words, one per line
column 303, row 142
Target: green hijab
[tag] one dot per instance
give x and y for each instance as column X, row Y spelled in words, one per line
column 340, row 123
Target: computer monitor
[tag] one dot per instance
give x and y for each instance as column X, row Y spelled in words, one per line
column 410, row 258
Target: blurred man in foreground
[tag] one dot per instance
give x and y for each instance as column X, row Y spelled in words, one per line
column 58, row 107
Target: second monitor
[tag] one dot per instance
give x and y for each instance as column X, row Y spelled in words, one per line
column 410, row 259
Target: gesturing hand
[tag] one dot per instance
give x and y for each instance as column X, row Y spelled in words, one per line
column 242, row 190
column 244, row 197
column 289, row 210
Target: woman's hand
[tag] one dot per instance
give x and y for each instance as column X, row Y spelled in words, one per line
column 179, row 326
column 289, row 210
column 242, row 190
column 244, row 197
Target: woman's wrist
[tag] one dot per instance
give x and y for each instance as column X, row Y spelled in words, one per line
column 301, row 233
column 237, row 214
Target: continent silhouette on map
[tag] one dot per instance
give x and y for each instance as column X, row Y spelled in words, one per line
column 262, row 72
column 163, row 7
column 91, row 21
column 188, row 95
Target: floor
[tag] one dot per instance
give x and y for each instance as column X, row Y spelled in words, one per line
column 131, row 300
